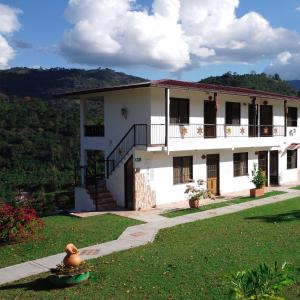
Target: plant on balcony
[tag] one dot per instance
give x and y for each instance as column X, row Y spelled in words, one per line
column 196, row 191
column 259, row 180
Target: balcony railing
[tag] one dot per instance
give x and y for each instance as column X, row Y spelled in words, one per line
column 225, row 131
column 94, row 130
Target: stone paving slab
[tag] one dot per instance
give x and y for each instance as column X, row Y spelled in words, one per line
column 132, row 237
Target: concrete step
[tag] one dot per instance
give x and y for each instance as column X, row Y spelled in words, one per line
column 104, row 200
column 106, row 206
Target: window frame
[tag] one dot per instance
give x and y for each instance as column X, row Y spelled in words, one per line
column 291, row 162
column 292, row 120
column 178, row 163
column 240, row 162
column 176, row 110
column 232, row 116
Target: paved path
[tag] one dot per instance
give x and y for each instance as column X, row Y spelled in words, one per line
column 133, row 236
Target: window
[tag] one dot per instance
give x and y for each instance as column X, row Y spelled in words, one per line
column 291, row 159
column 240, row 164
column 292, row 117
column 182, row 169
column 233, row 113
column 179, row 111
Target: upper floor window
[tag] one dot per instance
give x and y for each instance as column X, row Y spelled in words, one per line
column 292, row 117
column 240, row 164
column 182, row 169
column 292, row 159
column 233, row 113
column 179, row 111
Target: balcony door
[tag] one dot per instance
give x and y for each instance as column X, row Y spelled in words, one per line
column 253, row 120
column 210, row 119
column 266, row 120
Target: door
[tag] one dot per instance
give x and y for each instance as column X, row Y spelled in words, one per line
column 209, row 119
column 129, row 183
column 212, row 164
column 263, row 163
column 253, row 120
column 274, row 180
column 266, row 120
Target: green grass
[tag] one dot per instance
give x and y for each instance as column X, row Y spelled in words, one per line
column 189, row 261
column 297, row 187
column 186, row 211
column 61, row 230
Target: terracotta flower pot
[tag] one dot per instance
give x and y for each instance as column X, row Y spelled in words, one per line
column 257, row 192
column 72, row 259
column 194, row 203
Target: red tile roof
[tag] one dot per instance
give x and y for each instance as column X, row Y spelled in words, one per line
column 169, row 83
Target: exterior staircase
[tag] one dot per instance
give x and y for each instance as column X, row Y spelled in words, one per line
column 101, row 196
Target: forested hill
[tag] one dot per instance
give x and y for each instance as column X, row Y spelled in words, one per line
column 43, row 83
column 254, row 81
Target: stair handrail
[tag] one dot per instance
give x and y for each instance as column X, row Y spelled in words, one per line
column 118, row 145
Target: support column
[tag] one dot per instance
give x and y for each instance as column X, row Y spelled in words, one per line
column 167, row 116
column 83, row 158
column 269, row 167
column 258, row 119
column 285, row 117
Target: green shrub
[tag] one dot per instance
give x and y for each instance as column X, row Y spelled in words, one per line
column 258, row 177
column 262, row 283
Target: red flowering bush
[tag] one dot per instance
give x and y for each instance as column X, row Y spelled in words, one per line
column 18, row 223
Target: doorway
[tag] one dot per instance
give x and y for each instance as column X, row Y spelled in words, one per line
column 274, row 176
column 129, row 183
column 213, row 180
column 266, row 120
column 253, row 121
column 209, row 119
column 263, row 163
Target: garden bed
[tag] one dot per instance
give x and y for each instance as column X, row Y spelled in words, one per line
column 181, row 212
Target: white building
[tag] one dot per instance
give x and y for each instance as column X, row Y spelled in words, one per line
column 161, row 134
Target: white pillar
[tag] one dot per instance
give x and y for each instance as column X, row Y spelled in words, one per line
column 83, row 158
column 167, row 117
column 269, row 167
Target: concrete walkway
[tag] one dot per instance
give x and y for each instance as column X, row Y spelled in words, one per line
column 134, row 236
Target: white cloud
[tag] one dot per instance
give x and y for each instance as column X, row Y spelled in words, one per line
column 173, row 35
column 8, row 24
column 298, row 8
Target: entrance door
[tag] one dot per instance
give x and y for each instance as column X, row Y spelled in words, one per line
column 253, row 120
column 263, row 163
column 274, row 180
column 129, row 183
column 212, row 163
column 209, row 119
column 266, row 120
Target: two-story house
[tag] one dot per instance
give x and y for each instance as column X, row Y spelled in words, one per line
column 159, row 135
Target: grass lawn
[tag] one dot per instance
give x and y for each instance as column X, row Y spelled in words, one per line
column 186, row 211
column 190, row 261
column 60, row 230
column 297, row 187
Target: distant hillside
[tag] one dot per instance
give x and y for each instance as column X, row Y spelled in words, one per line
column 253, row 81
column 295, row 84
column 43, row 83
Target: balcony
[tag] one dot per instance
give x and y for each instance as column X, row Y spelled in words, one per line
column 224, row 131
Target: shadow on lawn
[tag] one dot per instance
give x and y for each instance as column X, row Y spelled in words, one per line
column 286, row 217
column 40, row 284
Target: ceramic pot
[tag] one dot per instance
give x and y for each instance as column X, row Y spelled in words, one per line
column 194, row 203
column 257, row 192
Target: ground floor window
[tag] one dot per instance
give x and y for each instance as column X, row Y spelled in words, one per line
column 292, row 159
column 240, row 164
column 182, row 169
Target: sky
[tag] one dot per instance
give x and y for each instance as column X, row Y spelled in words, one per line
column 182, row 39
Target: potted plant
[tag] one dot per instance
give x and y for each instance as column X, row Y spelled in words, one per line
column 259, row 180
column 195, row 192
